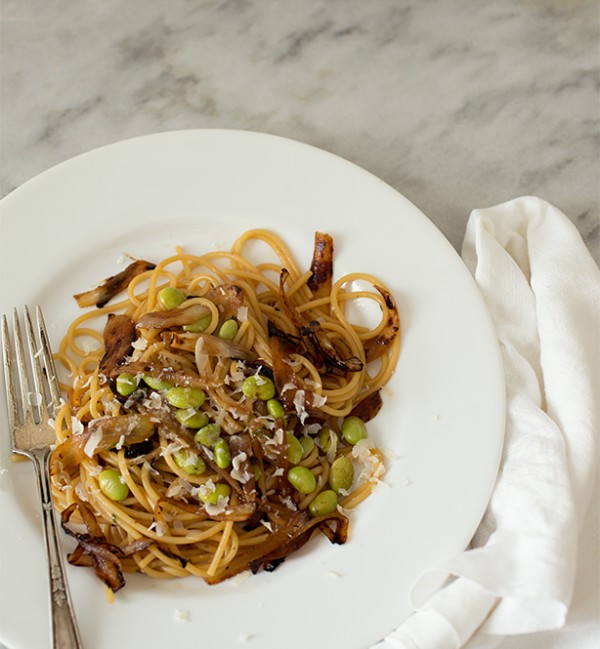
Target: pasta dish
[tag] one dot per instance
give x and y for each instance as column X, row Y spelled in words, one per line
column 216, row 410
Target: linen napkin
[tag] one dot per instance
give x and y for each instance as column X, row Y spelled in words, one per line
column 542, row 289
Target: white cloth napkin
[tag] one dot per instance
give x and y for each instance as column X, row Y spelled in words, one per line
column 542, row 289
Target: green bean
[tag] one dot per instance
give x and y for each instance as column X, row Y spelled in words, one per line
column 302, row 479
column 191, row 418
column 258, row 386
column 171, row 298
column 157, row 384
column 341, row 474
column 229, row 329
column 222, row 454
column 183, row 397
column 208, row 435
column 323, row 503
column 275, row 409
column 112, row 485
column 221, row 490
column 353, row 429
column 295, row 450
column 126, row 384
column 307, row 445
column 189, row 462
column 198, row 326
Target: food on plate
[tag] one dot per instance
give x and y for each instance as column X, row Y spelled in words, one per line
column 219, row 416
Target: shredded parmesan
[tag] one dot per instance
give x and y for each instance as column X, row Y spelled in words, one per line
column 287, row 386
column 219, row 507
column 319, row 400
column 182, row 615
column 76, row 426
column 311, row 429
column 140, row 344
column 299, row 400
column 236, row 473
column 268, row 525
column 204, row 490
column 92, row 443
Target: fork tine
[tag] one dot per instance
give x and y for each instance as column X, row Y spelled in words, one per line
column 37, row 399
column 22, row 373
column 51, row 375
column 11, row 399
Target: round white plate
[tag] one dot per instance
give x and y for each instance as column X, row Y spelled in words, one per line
column 441, row 425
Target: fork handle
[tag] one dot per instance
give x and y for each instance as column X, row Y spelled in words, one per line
column 65, row 634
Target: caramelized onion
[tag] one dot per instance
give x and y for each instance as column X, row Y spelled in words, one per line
column 119, row 334
column 100, row 295
column 319, row 348
column 322, row 265
column 292, row 535
column 93, row 548
column 100, row 435
column 376, row 347
column 173, row 317
column 368, row 407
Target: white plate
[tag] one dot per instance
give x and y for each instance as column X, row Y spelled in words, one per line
column 443, row 415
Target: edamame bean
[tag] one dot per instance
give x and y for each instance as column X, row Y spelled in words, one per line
column 325, row 437
column 295, row 450
column 171, row 298
column 221, row 490
column 182, row 397
column 208, row 435
column 353, row 429
column 191, row 418
column 302, row 479
column 229, row 329
column 258, row 386
column 275, row 409
column 198, row 326
column 157, row 384
column 323, row 503
column 189, row 462
column 341, row 474
column 126, row 384
column 307, row 445
column 222, row 454
column 112, row 485
column 249, row 387
column 265, row 388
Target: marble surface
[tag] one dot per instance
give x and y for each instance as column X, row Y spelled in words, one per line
column 458, row 104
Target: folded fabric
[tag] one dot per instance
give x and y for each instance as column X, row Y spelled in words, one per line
column 542, row 289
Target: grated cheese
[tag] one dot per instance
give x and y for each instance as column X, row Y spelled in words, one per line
column 92, row 444
column 219, row 507
column 236, row 473
column 182, row 615
column 76, row 426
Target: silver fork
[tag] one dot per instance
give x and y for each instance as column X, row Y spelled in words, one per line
column 33, row 394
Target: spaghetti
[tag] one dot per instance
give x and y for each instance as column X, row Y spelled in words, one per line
column 218, row 420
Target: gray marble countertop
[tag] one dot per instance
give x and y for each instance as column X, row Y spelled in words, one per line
column 457, row 104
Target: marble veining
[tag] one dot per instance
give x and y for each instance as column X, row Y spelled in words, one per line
column 457, row 104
